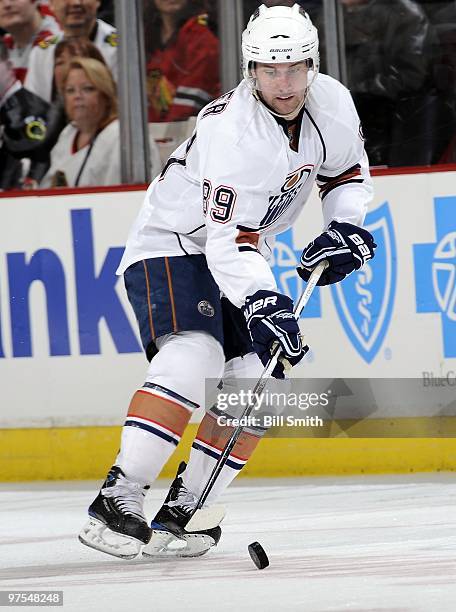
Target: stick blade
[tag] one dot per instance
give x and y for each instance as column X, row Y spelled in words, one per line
column 206, row 518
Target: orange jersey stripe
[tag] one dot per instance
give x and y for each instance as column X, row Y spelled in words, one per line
column 149, row 305
column 171, row 294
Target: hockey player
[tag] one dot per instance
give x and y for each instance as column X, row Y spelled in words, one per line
column 205, row 229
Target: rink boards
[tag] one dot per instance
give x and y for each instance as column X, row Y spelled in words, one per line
column 70, row 357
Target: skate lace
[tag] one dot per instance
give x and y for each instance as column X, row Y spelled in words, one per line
column 185, row 500
column 129, row 496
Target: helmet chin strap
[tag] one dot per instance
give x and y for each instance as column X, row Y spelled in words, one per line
column 288, row 116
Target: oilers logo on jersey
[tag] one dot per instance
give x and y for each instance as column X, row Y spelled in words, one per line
column 279, row 203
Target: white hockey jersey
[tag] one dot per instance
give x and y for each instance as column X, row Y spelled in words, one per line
column 40, row 75
column 236, row 183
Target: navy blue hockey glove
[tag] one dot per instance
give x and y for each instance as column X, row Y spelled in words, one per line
column 270, row 319
column 345, row 247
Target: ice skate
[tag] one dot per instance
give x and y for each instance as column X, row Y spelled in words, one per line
column 117, row 525
column 169, row 534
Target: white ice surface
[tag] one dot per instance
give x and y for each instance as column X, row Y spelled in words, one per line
column 362, row 544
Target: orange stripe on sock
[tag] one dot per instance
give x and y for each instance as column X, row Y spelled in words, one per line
column 158, row 410
column 163, row 399
column 149, row 305
column 171, row 294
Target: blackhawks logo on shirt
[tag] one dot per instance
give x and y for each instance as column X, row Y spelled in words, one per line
column 112, row 39
column 160, row 91
column 47, row 42
column 202, row 20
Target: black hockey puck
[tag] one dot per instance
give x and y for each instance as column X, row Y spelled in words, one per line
column 259, row 557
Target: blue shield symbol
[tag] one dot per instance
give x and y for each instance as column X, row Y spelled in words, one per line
column 364, row 300
column 435, row 272
column 283, row 263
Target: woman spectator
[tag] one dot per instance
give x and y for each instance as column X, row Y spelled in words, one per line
column 88, row 150
column 182, row 59
column 65, row 51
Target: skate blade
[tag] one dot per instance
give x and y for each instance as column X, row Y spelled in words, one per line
column 206, row 518
column 97, row 535
column 165, row 544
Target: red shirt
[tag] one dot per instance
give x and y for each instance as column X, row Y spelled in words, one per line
column 184, row 75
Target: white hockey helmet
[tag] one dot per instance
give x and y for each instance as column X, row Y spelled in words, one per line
column 280, row 34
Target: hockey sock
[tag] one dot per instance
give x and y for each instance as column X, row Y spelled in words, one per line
column 207, row 448
column 155, row 422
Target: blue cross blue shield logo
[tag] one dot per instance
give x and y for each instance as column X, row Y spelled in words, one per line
column 435, row 272
column 364, row 300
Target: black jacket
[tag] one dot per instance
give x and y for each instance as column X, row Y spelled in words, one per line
column 388, row 44
column 29, row 128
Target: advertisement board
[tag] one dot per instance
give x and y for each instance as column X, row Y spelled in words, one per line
column 69, row 350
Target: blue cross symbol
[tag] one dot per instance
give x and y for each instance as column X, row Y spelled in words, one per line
column 435, row 272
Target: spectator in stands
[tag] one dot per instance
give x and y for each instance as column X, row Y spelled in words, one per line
column 388, row 51
column 182, row 56
column 27, row 23
column 88, row 150
column 27, row 123
column 65, row 51
column 78, row 19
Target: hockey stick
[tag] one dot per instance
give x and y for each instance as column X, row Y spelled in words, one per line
column 194, row 524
